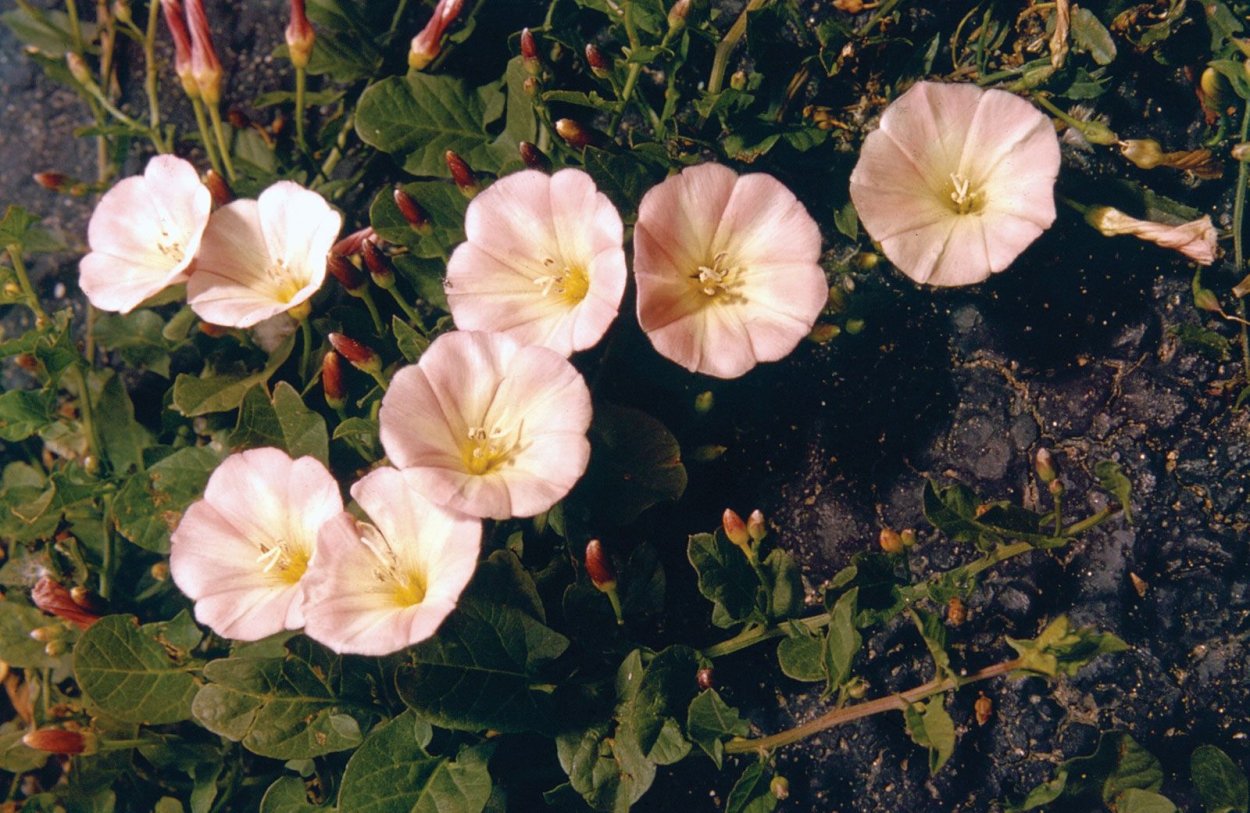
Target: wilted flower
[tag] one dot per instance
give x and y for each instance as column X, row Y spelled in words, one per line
column 957, row 181
column 487, row 426
column 262, row 257
column 727, row 270
column 543, row 262
column 427, row 44
column 53, row 597
column 241, row 551
column 1196, row 239
column 60, row 741
column 143, row 234
column 385, row 584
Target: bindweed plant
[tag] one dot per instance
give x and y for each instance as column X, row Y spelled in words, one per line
column 332, row 499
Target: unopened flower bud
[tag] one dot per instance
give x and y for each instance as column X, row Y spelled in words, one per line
column 736, row 530
column 78, row 69
column 332, row 381
column 159, row 571
column 299, row 35
column 43, row 635
column 1144, row 152
column 575, row 135
column 1205, row 299
column 599, row 566
column 122, row 11
column 867, row 260
column 176, row 22
column 908, row 536
column 427, row 44
column 533, row 157
column 52, row 181
column 218, row 188
column 379, row 266
column 856, row 688
column 704, row 401
column 1056, row 488
column 361, row 357
column 890, row 541
column 956, row 611
column 52, row 597
column 416, row 215
column 598, row 63
column 529, row 53
column 1241, row 151
column 348, row 275
column 705, row 678
column 738, row 80
column 205, row 66
column 530, row 86
column 466, row 181
column 983, row 708
column 85, row 598
column 350, row 245
column 1096, row 132
column 56, row 648
column 59, row 741
column 755, row 525
column 1044, row 465
column 779, row 788
column 1214, row 88
column 677, row 15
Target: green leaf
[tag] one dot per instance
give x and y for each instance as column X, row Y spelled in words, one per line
column 426, row 276
column 787, row 584
column 1219, row 782
column 150, row 504
column 411, row 343
column 666, row 689
column 24, row 412
column 19, row 227
column 725, row 578
column 930, row 726
column 15, row 756
column 1091, row 36
column 285, row 708
column 609, row 772
column 623, row 177
column 20, row 650
column 138, row 337
column 1061, row 650
column 288, row 794
column 751, row 793
column 482, row 670
column 1134, row 800
column 444, row 204
column 283, row 422
column 1112, row 480
column 842, row 640
column 123, row 438
column 362, row 435
column 129, row 675
column 1118, row 764
column 710, row 720
column 637, row 463
column 420, row 117
column 392, row 773
column 933, row 631
column 802, row 656
column 221, row 393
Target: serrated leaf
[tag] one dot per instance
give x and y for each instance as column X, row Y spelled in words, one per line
column 710, row 721
column 285, row 708
column 482, row 670
column 1219, row 782
column 930, row 726
column 392, row 773
column 420, row 117
column 150, row 504
column 725, row 578
column 128, row 674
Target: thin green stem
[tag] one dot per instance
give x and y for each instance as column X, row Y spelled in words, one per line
column 754, row 635
column 306, row 353
column 106, row 566
column 1239, row 213
column 716, row 79
column 87, row 411
column 838, row 716
column 336, row 152
column 301, row 88
column 214, row 115
column 1092, row 521
column 398, row 16
column 1058, row 513
column 151, row 79
column 366, row 296
column 380, row 379
column 75, row 27
column 205, row 136
column 23, row 281
column 414, row 318
column 631, row 81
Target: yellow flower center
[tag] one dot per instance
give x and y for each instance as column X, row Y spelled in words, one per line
column 719, row 280
column 285, row 283
column 490, row 449
column 410, row 588
column 964, row 199
column 284, row 562
column 569, row 284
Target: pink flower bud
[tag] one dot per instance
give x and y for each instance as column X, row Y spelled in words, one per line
column 57, row 741
column 176, row 21
column 52, row 181
column 736, row 529
column 529, row 53
column 533, row 157
column 378, row 264
column 575, row 135
column 462, row 175
column 416, row 215
column 218, row 188
column 755, row 525
column 598, row 63
column 599, row 566
column 52, row 597
column 351, row 244
column 332, row 380
column 427, row 44
column 205, row 66
column 299, row 35
column 348, row 275
column 361, row 357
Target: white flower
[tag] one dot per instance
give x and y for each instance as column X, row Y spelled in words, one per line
column 262, row 257
column 240, row 552
column 489, row 427
column 727, row 270
column 143, row 234
column 385, row 584
column 957, row 181
column 543, row 261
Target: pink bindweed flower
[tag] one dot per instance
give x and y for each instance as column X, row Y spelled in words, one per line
column 1196, row 239
column 205, row 66
column 727, row 270
column 385, row 584
column 543, row 262
column 143, row 234
column 427, row 44
column 262, row 257
column 957, row 181
column 487, row 426
column 241, row 551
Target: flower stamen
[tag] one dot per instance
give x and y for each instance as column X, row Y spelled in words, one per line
column 719, row 278
column 490, row 449
column 569, row 284
column 966, row 199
